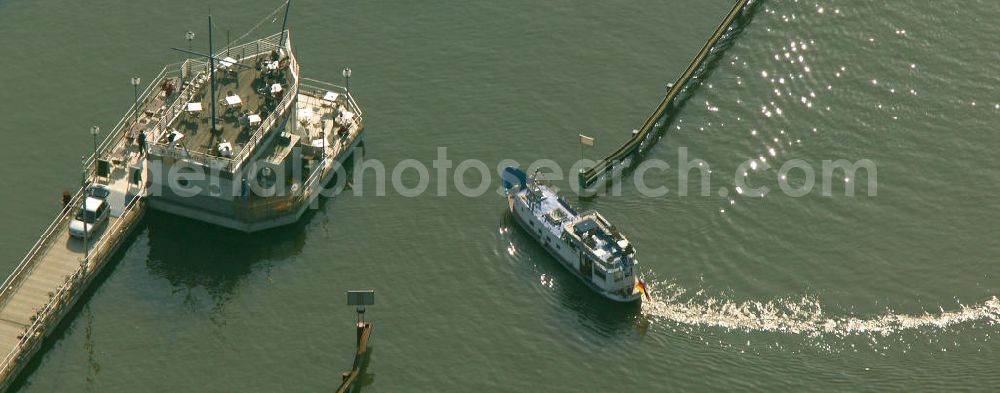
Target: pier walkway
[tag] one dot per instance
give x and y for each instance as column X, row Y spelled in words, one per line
column 58, row 268
column 646, row 135
column 53, row 275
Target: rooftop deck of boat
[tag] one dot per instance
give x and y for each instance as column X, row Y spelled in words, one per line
column 251, row 85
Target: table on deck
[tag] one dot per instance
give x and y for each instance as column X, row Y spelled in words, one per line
column 227, row 62
column 233, row 101
column 253, row 119
column 305, row 116
column 330, row 97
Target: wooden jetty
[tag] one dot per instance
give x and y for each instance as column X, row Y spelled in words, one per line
column 350, row 377
column 645, row 136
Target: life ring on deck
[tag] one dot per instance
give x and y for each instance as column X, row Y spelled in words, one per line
column 266, row 176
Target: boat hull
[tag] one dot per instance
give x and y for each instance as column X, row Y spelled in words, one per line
column 232, row 222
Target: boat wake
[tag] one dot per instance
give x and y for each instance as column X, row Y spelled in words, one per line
column 802, row 316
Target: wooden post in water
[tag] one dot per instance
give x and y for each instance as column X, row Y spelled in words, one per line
column 364, row 332
column 284, row 24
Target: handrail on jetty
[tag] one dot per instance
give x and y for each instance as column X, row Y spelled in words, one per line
column 62, row 298
column 643, row 138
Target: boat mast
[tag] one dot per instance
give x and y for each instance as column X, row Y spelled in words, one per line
column 284, row 23
column 211, row 67
column 211, row 70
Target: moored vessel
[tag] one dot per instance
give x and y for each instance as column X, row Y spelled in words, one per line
column 239, row 138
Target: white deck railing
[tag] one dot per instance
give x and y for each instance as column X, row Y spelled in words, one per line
column 319, row 87
column 111, row 138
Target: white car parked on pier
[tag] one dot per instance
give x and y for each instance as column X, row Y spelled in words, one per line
column 91, row 218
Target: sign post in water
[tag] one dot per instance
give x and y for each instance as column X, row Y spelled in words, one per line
column 361, row 298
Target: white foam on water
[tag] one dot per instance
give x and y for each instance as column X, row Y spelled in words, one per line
column 803, row 316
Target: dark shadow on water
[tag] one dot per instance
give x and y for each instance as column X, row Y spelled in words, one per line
column 365, row 378
column 603, row 316
column 192, row 254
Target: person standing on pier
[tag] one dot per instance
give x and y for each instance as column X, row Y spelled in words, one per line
column 142, row 144
column 66, row 199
